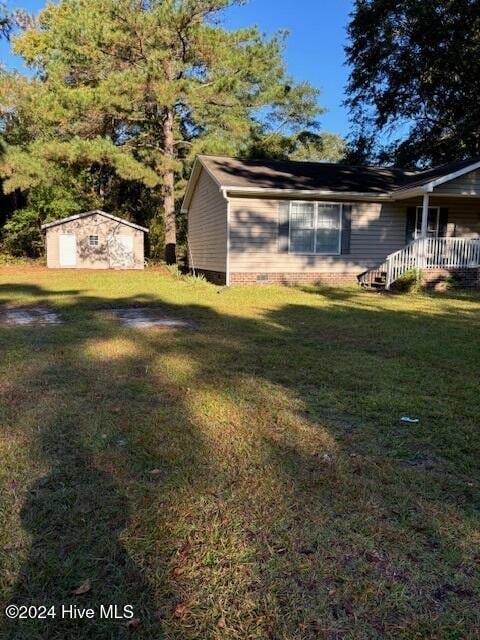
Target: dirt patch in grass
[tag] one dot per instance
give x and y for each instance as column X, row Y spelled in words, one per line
column 29, row 316
column 147, row 318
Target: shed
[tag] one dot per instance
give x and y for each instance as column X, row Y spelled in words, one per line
column 94, row 240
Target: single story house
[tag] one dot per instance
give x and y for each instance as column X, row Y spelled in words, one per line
column 94, row 240
column 271, row 221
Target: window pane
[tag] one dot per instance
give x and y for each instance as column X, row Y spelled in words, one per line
column 328, row 216
column 328, row 228
column 302, row 227
column 302, row 215
column 327, row 240
column 302, row 240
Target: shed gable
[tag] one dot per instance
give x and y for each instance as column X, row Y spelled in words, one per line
column 94, row 241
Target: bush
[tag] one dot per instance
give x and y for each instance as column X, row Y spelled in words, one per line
column 175, row 272
column 409, row 282
column 6, row 260
column 22, row 236
column 199, row 278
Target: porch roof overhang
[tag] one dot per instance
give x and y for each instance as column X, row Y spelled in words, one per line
column 421, row 188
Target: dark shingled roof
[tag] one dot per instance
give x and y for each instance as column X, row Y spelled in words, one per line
column 419, row 178
column 320, row 176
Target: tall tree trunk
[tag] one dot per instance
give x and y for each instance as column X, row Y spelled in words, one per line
column 168, row 189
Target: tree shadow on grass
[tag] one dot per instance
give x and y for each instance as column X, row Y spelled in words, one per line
column 9, row 292
column 258, row 522
column 81, row 412
column 74, row 517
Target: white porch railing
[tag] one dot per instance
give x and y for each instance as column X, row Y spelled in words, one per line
column 432, row 253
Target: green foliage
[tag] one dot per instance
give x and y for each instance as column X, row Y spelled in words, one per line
column 189, row 278
column 7, row 260
column 415, row 76
column 410, row 282
column 22, row 236
column 448, row 282
column 195, row 280
column 126, row 93
column 305, row 145
column 325, row 146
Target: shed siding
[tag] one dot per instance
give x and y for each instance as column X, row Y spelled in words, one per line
column 377, row 230
column 468, row 184
column 207, row 226
column 93, row 257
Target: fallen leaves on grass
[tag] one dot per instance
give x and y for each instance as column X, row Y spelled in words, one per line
column 85, row 587
column 180, row 610
column 133, row 623
column 184, row 550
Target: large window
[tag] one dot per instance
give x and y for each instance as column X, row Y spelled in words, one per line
column 315, row 228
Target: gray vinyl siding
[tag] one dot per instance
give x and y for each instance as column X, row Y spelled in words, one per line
column 463, row 215
column 377, row 230
column 468, row 184
column 207, row 226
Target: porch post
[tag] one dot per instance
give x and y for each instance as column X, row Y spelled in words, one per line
column 421, row 260
column 423, row 232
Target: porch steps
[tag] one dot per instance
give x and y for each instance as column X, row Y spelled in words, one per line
column 423, row 253
column 373, row 279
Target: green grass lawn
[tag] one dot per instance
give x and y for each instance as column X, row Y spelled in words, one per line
column 249, row 479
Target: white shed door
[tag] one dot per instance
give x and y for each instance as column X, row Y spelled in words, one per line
column 67, row 250
column 121, row 251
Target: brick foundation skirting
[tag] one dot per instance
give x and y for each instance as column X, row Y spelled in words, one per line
column 293, row 278
column 464, row 278
column 432, row 278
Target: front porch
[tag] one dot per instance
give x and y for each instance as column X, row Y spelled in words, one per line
column 442, row 235
column 448, row 255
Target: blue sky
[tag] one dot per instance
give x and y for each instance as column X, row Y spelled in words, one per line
column 314, row 48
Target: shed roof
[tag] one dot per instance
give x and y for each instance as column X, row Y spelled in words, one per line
column 90, row 213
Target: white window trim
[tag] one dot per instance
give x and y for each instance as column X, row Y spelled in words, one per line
column 340, row 229
column 418, row 221
column 93, row 244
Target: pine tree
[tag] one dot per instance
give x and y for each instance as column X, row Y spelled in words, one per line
column 136, row 88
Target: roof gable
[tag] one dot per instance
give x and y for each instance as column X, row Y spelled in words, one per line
column 427, row 180
column 79, row 216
